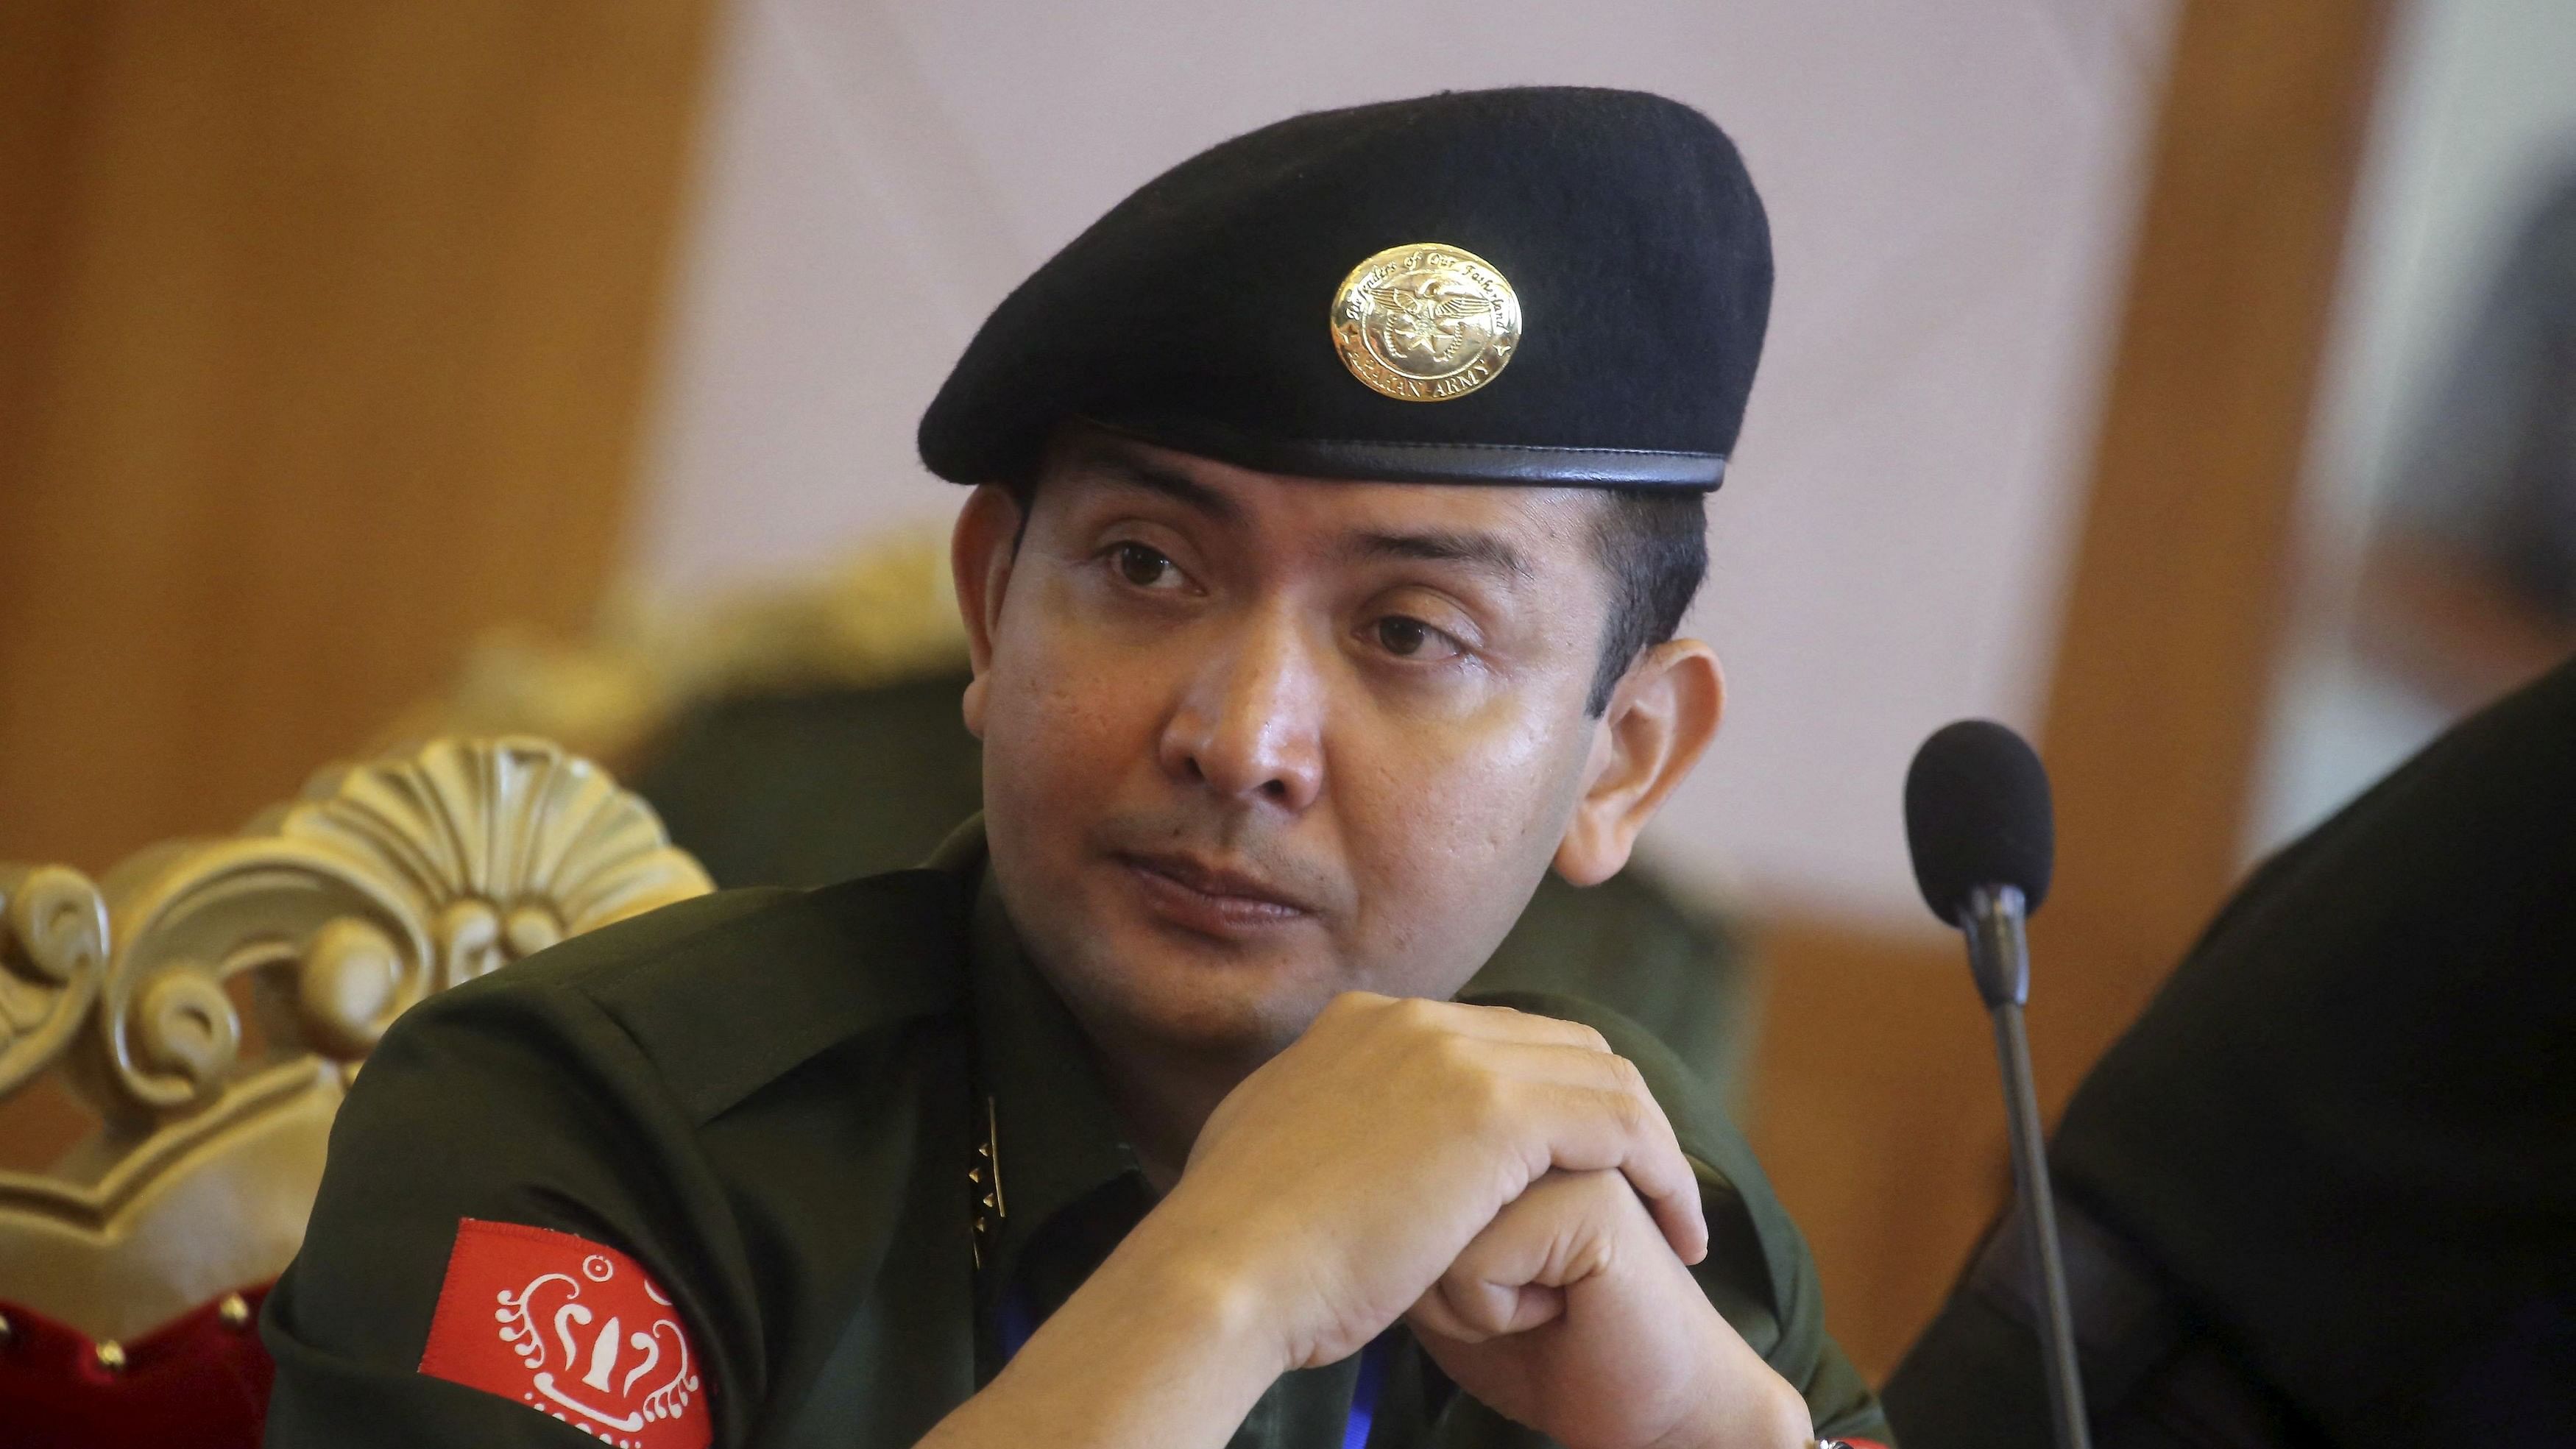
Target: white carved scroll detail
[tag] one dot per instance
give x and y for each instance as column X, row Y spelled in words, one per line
column 324, row 920
column 53, row 946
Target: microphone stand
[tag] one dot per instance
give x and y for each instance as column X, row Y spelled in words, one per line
column 1999, row 955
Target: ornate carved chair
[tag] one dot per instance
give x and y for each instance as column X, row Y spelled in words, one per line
column 207, row 1003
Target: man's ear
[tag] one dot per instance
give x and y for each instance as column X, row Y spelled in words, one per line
column 1661, row 717
column 980, row 555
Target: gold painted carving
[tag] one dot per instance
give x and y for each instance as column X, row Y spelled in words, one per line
column 210, row 1001
column 53, row 939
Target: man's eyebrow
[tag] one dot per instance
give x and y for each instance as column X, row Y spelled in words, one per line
column 1480, row 552
column 1154, row 478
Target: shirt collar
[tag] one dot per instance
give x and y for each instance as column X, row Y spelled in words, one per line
column 1056, row 1140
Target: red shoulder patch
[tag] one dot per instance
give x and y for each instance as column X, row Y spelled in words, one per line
column 570, row 1328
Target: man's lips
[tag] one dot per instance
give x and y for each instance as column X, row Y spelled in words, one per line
column 1207, row 898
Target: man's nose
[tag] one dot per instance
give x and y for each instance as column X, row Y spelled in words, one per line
column 1250, row 726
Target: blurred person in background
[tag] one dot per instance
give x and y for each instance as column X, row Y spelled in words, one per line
column 2469, row 589
column 2324, row 1191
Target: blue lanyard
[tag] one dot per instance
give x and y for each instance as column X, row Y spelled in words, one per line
column 1016, row 1321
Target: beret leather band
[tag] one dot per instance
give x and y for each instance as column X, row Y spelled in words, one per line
column 1508, row 464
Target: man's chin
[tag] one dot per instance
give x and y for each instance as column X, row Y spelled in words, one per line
column 1211, row 1003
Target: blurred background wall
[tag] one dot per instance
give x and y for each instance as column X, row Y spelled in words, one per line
column 333, row 336
column 324, row 333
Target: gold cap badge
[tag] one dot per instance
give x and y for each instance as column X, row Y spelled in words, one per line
column 1426, row 322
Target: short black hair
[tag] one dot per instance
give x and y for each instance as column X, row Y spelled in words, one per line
column 1651, row 542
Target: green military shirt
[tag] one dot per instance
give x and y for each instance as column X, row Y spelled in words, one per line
column 772, row 1101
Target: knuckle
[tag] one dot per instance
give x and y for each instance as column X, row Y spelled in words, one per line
column 1484, row 1101
column 1454, row 1056
column 1413, row 1013
column 1632, row 1082
column 1629, row 1112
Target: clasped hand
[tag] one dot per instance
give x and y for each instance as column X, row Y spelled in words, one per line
column 1507, row 1185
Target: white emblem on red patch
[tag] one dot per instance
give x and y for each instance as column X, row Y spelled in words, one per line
column 569, row 1328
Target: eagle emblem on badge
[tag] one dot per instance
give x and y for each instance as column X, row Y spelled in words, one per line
column 1426, row 322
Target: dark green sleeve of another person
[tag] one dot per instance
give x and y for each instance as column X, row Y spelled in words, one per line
column 1758, row 1272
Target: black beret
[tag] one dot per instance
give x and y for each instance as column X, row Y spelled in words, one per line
column 1533, row 285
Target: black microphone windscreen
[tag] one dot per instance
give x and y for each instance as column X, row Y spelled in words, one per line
column 1977, row 814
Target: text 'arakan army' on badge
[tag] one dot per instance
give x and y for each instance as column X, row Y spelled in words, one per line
column 1426, row 322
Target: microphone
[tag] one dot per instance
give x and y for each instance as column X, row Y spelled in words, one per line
column 1978, row 825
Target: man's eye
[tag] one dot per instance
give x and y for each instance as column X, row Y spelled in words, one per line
column 1142, row 566
column 1409, row 638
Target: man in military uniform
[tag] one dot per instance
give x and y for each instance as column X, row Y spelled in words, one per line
column 1142, row 1116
